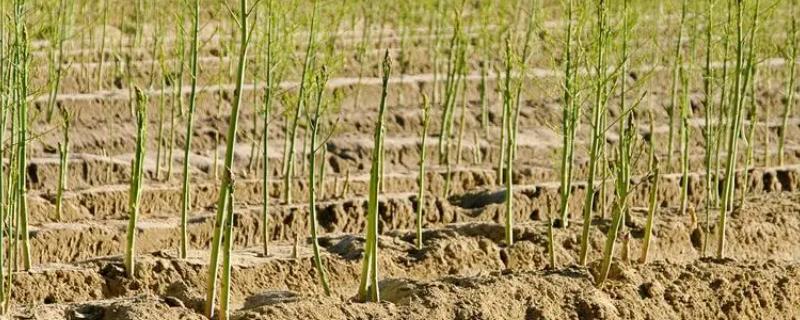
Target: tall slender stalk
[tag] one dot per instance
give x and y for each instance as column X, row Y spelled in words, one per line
column 225, row 195
column 569, row 117
column 180, row 52
column 676, row 63
column 368, row 288
column 421, row 180
column 288, row 166
column 509, row 118
column 269, row 93
column 735, row 119
column 511, row 113
column 709, row 133
column 598, row 131
column 627, row 133
column 450, row 90
column 185, row 193
column 21, row 61
column 456, row 68
column 724, row 104
column 506, row 142
column 685, row 131
column 5, row 105
column 314, row 125
column 57, row 59
column 137, row 175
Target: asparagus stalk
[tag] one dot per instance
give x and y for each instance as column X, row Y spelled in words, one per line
column 63, row 155
column 225, row 186
column 185, row 193
column 137, row 175
column 421, row 179
column 368, row 288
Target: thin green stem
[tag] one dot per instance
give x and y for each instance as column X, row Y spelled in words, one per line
column 185, row 193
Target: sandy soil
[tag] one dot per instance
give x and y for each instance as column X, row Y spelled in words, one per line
column 464, row 271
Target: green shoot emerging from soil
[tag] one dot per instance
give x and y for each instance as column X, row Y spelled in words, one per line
column 368, row 289
column 598, row 130
column 314, row 146
column 741, row 78
column 63, row 160
column 137, row 175
column 185, row 194
column 224, row 202
column 421, row 180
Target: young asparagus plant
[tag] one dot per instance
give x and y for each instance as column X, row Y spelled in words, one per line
column 456, row 67
column 676, row 64
column 740, row 81
column 22, row 64
column 421, row 181
column 598, row 131
column 624, row 152
column 314, row 125
column 724, row 104
column 459, row 79
column 709, row 133
column 5, row 88
column 570, row 118
column 272, row 79
column 63, row 156
column 551, row 243
column 137, row 175
column 684, row 135
column 368, row 288
column 507, row 105
column 288, row 165
column 451, row 89
column 242, row 21
column 512, row 109
column 185, row 194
